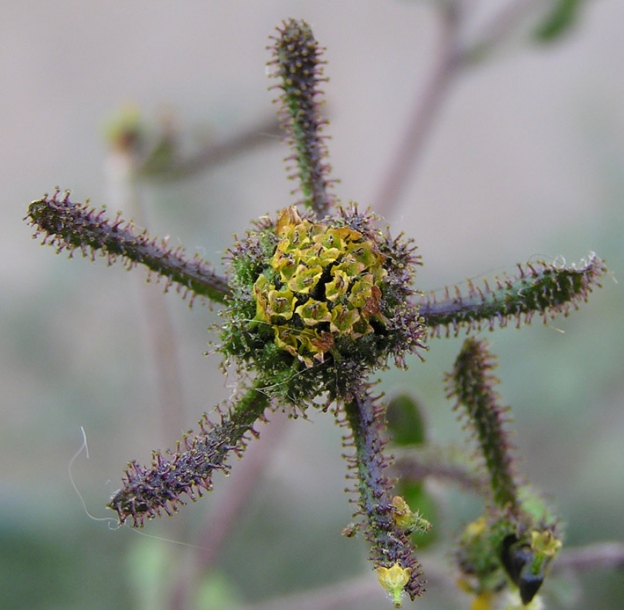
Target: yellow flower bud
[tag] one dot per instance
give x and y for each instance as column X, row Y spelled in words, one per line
column 483, row 601
column 407, row 520
column 545, row 543
column 393, row 580
column 287, row 218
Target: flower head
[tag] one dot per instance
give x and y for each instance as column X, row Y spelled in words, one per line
column 318, row 304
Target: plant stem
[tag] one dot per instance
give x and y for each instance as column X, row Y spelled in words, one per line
column 425, row 110
column 214, row 153
column 389, row 544
column 452, row 58
column 150, row 491
column 227, row 514
column 70, row 226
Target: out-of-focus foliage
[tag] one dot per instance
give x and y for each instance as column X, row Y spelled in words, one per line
column 560, row 20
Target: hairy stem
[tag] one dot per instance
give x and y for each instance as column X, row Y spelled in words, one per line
column 389, row 544
column 298, row 65
column 540, row 288
column 472, row 384
column 147, row 492
column 70, row 226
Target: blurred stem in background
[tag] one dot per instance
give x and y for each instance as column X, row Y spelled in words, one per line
column 456, row 52
column 133, row 162
column 124, row 163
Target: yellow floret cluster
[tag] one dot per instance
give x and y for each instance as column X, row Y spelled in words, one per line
column 323, row 283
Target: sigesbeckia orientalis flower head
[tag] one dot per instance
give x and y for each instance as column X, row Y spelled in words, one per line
column 317, row 304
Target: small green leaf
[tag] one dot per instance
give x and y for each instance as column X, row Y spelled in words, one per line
column 217, row 591
column 405, row 421
column 559, row 21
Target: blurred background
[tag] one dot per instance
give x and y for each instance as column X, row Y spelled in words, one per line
column 524, row 160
